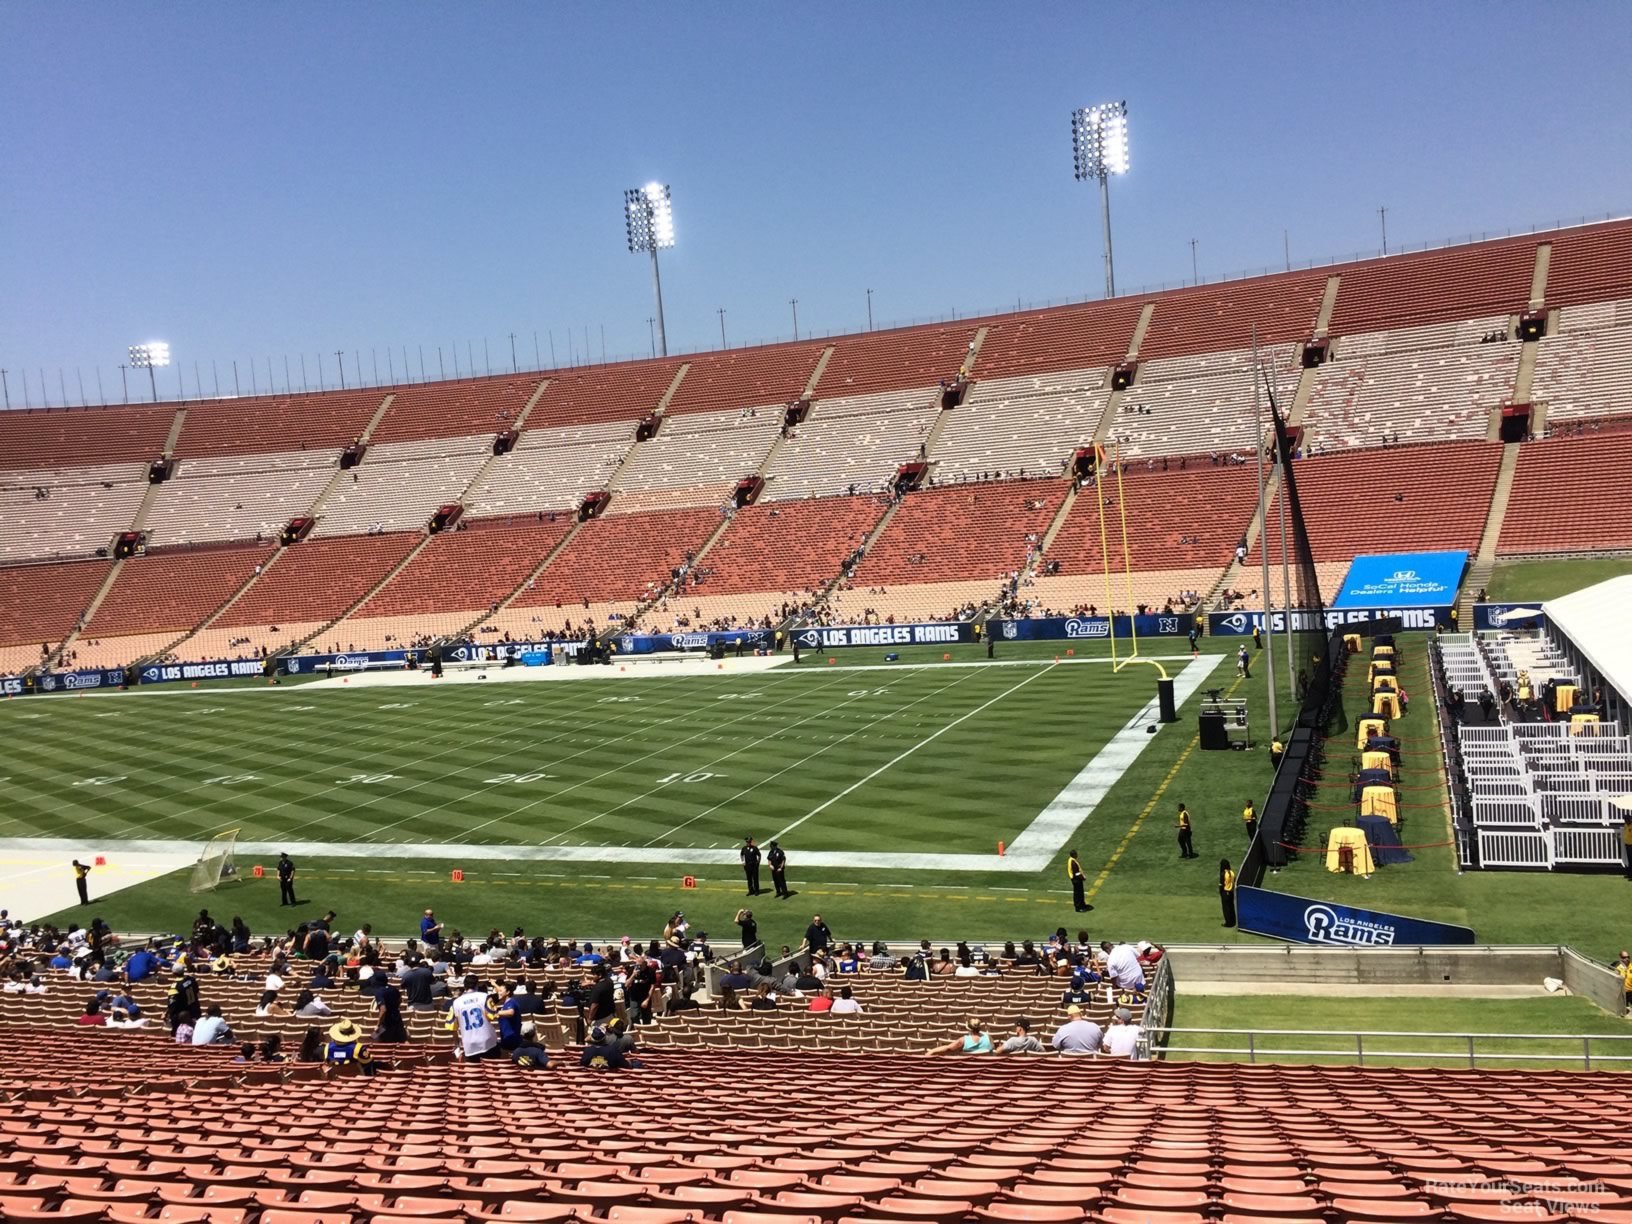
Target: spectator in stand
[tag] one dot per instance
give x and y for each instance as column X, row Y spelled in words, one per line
column 473, row 1023
column 974, row 1041
column 92, row 1013
column 269, row 1005
column 418, row 985
column 821, row 1001
column 1122, row 965
column 272, row 1048
column 142, row 963
column 309, row 1006
column 1022, row 1042
column 1122, row 1038
column 1623, row 970
column 346, row 1046
column 185, row 1027
column 212, row 1029
column 430, row 930
column 390, row 1029
column 1077, row 1035
column 846, row 1004
column 818, row 938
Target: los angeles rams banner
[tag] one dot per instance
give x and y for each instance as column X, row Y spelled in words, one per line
column 830, row 636
column 1305, row 920
column 1077, row 628
column 1402, row 580
column 1301, row 620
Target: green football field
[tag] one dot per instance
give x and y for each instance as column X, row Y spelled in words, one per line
column 583, row 806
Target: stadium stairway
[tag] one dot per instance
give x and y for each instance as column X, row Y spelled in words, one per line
column 315, row 510
column 1484, row 560
column 151, row 495
column 1255, row 528
column 519, row 424
column 84, row 617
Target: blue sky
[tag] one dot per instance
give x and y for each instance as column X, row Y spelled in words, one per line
column 247, row 181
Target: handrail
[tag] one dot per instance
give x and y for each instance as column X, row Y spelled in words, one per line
column 1154, row 1043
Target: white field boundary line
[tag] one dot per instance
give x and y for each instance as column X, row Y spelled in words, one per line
column 1089, row 785
column 899, row 757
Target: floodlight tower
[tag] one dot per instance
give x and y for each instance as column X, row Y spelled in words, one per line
column 648, row 218
column 151, row 356
column 1099, row 146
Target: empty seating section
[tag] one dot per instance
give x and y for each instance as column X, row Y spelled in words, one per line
column 1458, row 282
column 787, row 546
column 702, row 451
column 453, row 409
column 83, row 437
column 400, row 485
column 857, row 603
column 1175, row 520
column 852, row 445
column 42, row 603
column 890, row 1138
column 82, row 510
column 1419, row 384
column 1063, row 338
column 620, row 558
column 317, row 580
column 885, row 361
column 118, row 651
column 454, row 578
column 238, row 497
column 1201, row 404
column 978, row 531
column 1414, row 498
column 1591, row 263
column 1585, row 369
column 1031, row 422
column 626, row 391
column 1069, row 595
column 277, row 423
column 772, row 374
column 551, row 469
column 173, row 591
column 1218, row 317
column 1570, row 494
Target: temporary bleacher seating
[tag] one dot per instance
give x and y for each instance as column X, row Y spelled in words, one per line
column 741, row 378
column 1418, row 384
column 1026, row 424
column 83, row 508
column 852, row 445
column 1569, row 492
column 453, row 409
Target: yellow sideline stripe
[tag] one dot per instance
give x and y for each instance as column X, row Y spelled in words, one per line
column 1155, row 798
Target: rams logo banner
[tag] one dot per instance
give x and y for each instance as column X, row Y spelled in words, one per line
column 1306, row 920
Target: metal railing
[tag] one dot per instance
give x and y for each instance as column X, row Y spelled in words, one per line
column 1353, row 1046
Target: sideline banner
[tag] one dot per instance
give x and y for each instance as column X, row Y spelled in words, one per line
column 828, row 636
column 1305, row 920
column 1076, row 628
column 1402, row 580
column 1240, row 624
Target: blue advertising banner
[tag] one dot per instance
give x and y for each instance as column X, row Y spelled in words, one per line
column 161, row 673
column 1488, row 616
column 1240, row 624
column 68, row 682
column 1305, row 920
column 829, row 636
column 1073, row 628
column 1402, row 580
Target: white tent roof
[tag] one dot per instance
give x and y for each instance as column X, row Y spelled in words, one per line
column 1595, row 621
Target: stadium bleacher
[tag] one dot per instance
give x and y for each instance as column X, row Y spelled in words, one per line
column 1415, row 359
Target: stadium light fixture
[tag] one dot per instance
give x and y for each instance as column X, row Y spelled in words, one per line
column 154, row 355
column 1099, row 148
column 648, row 218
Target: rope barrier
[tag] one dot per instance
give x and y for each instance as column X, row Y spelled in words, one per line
column 1326, row 850
column 1343, row 807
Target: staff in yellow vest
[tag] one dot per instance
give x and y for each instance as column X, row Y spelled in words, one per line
column 1249, row 817
column 1226, row 891
column 1079, row 882
column 1187, row 849
column 1276, row 751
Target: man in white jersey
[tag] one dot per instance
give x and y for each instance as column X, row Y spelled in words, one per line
column 473, row 1020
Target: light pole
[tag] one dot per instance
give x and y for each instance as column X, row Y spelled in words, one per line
column 648, row 218
column 721, row 312
column 5, row 384
column 123, row 379
column 151, row 356
column 651, row 333
column 1195, row 277
column 1099, row 145
column 1382, row 216
column 794, row 302
column 869, row 310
